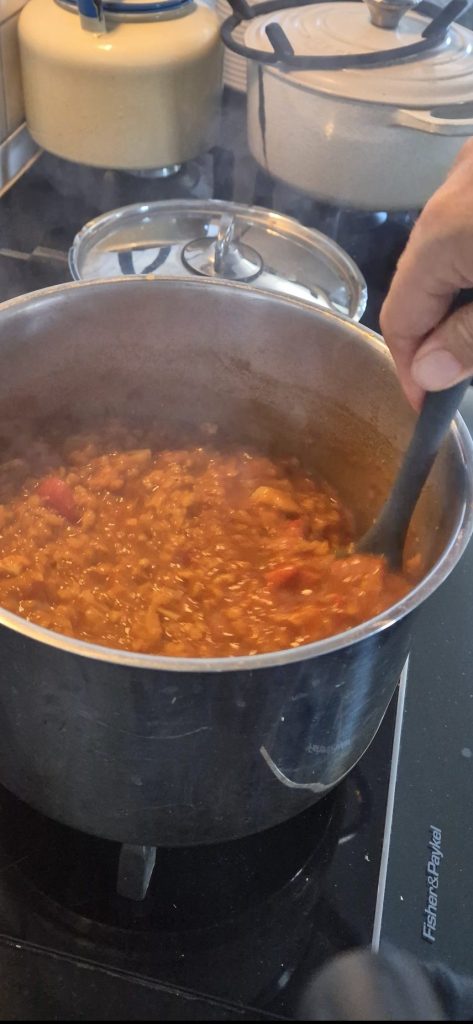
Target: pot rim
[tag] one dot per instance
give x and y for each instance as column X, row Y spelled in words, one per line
column 370, row 628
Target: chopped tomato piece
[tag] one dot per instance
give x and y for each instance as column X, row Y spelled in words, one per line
column 282, row 576
column 56, row 493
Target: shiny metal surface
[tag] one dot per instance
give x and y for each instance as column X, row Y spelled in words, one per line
column 223, row 257
column 157, row 172
column 152, row 750
column 179, row 238
column 388, row 13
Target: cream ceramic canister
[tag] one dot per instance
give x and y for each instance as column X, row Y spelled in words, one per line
column 131, row 86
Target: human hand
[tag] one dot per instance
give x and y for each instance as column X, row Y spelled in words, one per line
column 431, row 349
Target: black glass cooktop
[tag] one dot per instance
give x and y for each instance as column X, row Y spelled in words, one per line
column 242, row 921
column 236, row 931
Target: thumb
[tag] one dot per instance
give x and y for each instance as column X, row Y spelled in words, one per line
column 447, row 356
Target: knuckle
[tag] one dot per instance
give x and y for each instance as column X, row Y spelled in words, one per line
column 465, row 154
column 462, row 335
column 437, row 219
column 444, row 236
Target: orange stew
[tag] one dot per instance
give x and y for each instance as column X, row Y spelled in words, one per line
column 202, row 550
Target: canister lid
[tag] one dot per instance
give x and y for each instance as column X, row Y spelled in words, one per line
column 215, row 239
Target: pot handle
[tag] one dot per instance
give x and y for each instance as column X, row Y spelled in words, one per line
column 426, row 121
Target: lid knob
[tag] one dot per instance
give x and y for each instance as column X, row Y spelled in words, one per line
column 388, row 13
column 223, row 257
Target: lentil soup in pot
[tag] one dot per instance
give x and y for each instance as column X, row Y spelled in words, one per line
column 189, row 547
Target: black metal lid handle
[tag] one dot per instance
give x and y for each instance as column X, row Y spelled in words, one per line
column 283, row 53
column 279, row 41
column 442, row 21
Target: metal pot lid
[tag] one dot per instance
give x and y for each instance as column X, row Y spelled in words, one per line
column 436, row 76
column 188, row 238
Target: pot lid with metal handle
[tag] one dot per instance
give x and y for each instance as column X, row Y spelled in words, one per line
column 188, row 238
column 420, row 59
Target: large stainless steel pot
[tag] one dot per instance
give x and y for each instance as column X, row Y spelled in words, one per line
column 155, row 750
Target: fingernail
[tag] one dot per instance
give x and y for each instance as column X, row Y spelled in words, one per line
column 436, row 370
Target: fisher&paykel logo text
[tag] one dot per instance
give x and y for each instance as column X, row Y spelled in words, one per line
column 429, row 927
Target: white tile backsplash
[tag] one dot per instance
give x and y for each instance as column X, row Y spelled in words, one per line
column 11, row 74
column 17, row 149
column 11, row 92
column 10, row 7
column 3, row 107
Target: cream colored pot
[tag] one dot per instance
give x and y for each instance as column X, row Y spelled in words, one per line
column 379, row 138
column 135, row 88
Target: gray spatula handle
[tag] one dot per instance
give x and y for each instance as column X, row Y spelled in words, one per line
column 387, row 535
